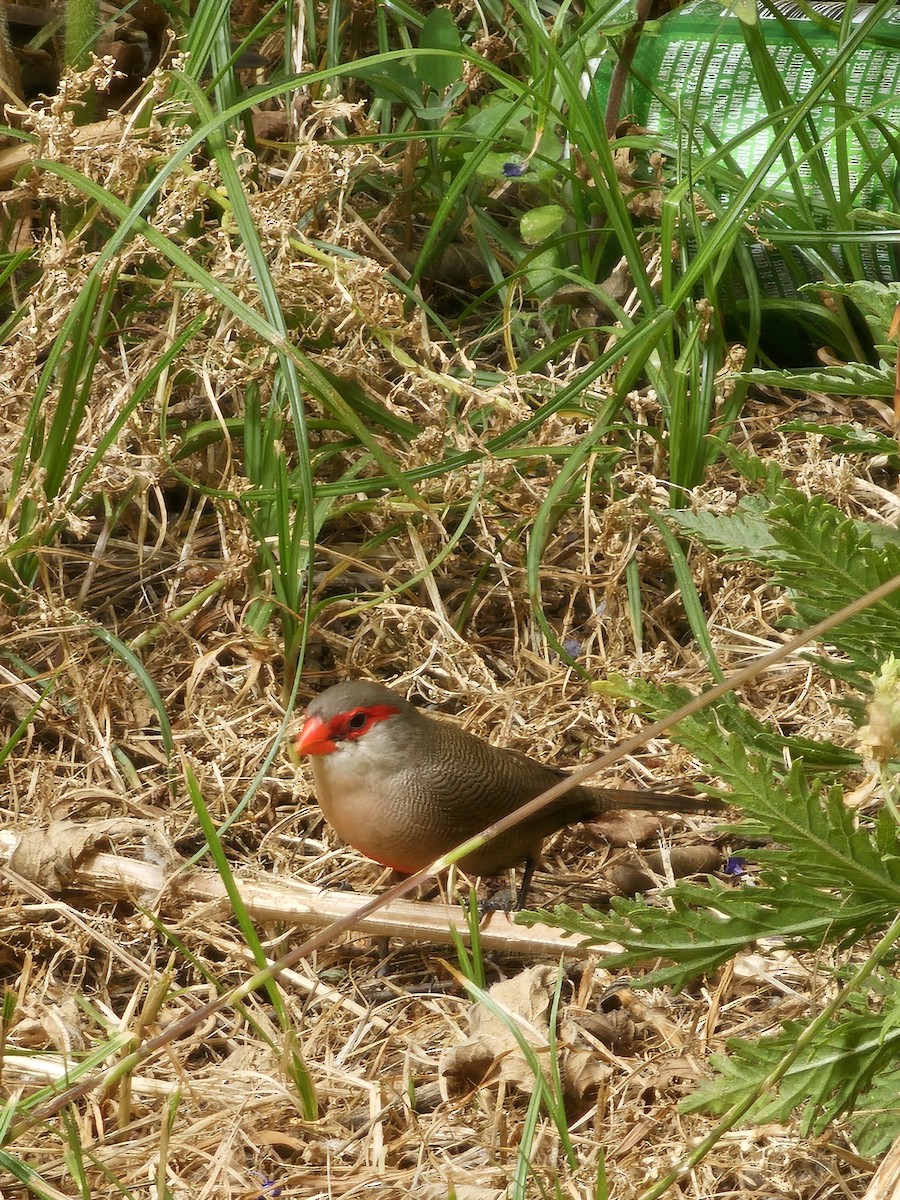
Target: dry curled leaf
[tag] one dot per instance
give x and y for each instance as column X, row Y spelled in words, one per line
column 50, row 857
column 491, row 1049
column 583, row 1073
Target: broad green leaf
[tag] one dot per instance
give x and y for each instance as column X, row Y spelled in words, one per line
column 439, row 33
column 538, row 224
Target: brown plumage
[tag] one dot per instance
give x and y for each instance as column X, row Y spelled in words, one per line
column 404, row 787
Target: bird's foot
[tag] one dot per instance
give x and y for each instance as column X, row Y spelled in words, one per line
column 500, row 901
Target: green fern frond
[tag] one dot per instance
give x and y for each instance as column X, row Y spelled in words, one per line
column 823, row 561
column 876, row 1115
column 820, row 843
column 701, row 733
column 829, row 1077
column 708, row 924
column 847, row 379
column 822, row 874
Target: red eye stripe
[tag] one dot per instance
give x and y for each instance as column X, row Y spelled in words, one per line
column 348, row 726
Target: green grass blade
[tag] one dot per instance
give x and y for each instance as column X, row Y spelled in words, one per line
column 213, row 841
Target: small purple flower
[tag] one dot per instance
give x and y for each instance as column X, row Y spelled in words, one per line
column 270, row 1188
column 735, row 866
column 512, row 170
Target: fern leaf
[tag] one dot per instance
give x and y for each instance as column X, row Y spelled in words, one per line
column 848, row 379
column 816, row 541
column 826, row 1080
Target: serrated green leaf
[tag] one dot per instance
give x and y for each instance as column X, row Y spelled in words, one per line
column 743, row 533
column 826, row 1080
column 876, row 1118
column 876, row 301
column 849, row 379
column 826, row 847
column 707, row 925
column 849, row 439
column 704, row 732
column 820, row 874
column 823, row 879
column 823, row 561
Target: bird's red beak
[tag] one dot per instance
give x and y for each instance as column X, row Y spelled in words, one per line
column 315, row 738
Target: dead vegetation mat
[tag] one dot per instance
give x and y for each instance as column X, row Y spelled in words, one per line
column 413, row 1100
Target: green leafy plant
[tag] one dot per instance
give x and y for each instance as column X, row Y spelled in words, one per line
column 876, row 304
column 821, row 875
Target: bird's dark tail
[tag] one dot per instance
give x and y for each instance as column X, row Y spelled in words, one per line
column 606, row 799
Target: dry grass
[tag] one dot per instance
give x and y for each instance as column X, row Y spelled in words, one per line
column 216, row 1116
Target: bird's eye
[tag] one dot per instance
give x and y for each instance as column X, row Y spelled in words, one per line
column 357, row 721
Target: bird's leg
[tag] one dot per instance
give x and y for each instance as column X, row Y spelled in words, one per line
column 501, row 901
column 527, row 873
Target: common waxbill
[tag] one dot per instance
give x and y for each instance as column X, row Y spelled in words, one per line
column 404, row 787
